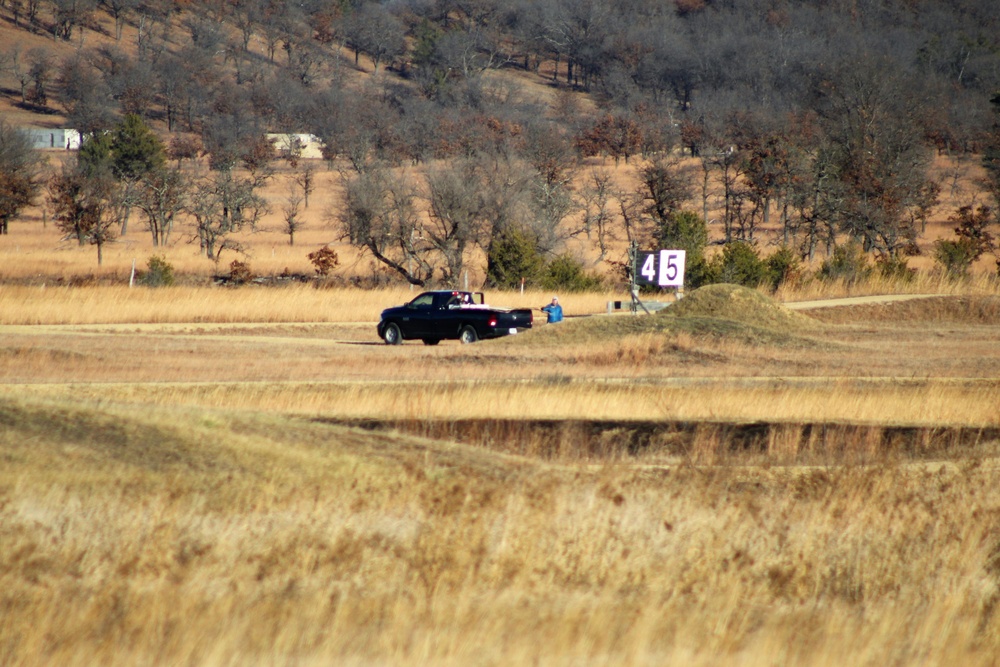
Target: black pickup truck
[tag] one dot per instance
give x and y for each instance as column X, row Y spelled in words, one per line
column 435, row 316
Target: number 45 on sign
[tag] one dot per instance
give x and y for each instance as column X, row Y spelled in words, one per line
column 664, row 268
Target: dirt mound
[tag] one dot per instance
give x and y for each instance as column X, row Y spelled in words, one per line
column 717, row 311
column 739, row 304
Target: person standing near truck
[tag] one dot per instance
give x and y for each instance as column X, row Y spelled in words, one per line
column 553, row 311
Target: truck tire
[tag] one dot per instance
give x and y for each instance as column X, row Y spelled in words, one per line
column 467, row 334
column 392, row 335
column 431, row 341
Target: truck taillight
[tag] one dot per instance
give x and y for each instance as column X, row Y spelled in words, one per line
column 493, row 321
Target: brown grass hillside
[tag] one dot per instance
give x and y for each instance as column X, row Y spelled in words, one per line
column 34, row 252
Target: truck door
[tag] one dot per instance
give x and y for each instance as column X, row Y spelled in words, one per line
column 449, row 314
column 421, row 315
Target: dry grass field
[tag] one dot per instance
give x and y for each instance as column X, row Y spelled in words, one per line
column 215, row 476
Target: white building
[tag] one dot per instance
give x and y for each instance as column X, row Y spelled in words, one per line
column 63, row 139
column 302, row 145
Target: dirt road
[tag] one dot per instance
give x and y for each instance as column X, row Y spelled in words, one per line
column 856, row 300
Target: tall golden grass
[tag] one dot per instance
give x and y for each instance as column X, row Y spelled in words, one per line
column 292, row 303
column 983, row 282
column 200, row 346
column 297, row 302
column 918, row 403
column 161, row 536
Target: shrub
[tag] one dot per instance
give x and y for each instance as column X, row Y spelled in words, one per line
column 159, row 273
column 568, row 275
column 240, row 273
column 739, row 264
column 955, row 257
column 698, row 272
column 783, row 267
column 849, row 263
column 687, row 231
column 514, row 255
column 324, row 260
column 974, row 240
column 973, row 226
column 895, row 268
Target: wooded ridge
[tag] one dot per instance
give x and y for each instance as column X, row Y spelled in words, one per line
column 817, row 120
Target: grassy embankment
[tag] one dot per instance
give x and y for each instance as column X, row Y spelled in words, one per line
column 232, row 522
column 166, row 535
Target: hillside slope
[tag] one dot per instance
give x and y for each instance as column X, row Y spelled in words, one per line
column 398, row 113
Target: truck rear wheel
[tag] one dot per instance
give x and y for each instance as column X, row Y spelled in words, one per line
column 468, row 335
column 392, row 335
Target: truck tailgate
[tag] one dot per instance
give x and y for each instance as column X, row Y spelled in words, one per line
column 517, row 318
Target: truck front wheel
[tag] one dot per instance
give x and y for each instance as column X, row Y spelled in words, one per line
column 392, row 335
column 468, row 335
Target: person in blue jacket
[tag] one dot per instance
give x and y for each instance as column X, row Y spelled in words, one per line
column 553, row 311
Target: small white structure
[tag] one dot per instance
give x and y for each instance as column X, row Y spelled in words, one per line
column 57, row 139
column 300, row 145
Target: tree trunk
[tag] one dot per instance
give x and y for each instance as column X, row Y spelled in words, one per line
column 126, row 214
column 705, row 167
column 786, row 232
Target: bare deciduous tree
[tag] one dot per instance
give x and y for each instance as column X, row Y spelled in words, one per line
column 222, row 204
column 379, row 216
column 40, row 70
column 15, row 62
column 879, row 155
column 20, row 177
column 69, row 14
column 305, row 178
column 161, row 195
column 375, row 32
column 290, row 213
column 598, row 217
column 457, row 214
column 120, row 10
column 82, row 207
